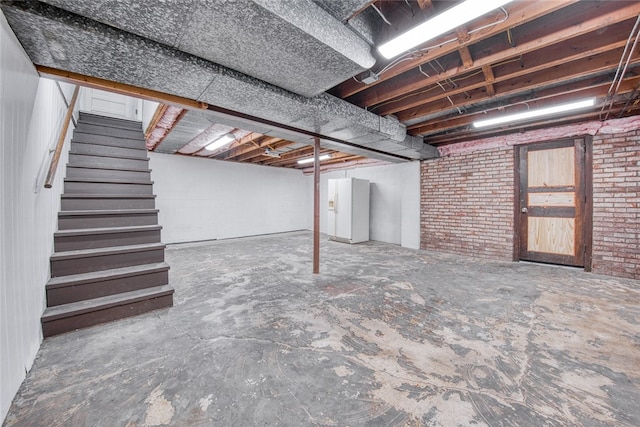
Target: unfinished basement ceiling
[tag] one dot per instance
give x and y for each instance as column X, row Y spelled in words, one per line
column 526, row 55
column 175, row 130
column 268, row 67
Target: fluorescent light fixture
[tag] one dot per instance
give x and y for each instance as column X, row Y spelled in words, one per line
column 585, row 103
column 439, row 24
column 310, row 159
column 220, row 142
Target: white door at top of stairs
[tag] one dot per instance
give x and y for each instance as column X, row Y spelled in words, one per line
column 110, row 104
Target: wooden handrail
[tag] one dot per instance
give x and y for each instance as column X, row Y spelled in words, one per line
column 63, row 135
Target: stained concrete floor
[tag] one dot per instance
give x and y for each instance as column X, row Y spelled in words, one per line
column 384, row 336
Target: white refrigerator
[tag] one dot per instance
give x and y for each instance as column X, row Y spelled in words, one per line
column 348, row 216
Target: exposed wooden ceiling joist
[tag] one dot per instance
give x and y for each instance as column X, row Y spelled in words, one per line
column 582, row 24
column 528, row 54
column 579, row 91
column 519, row 13
column 543, row 53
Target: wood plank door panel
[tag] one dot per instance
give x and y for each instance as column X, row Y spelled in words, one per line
column 552, row 202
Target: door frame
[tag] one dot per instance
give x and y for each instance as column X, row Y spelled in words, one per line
column 587, row 182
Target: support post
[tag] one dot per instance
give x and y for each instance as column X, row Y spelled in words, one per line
column 316, row 206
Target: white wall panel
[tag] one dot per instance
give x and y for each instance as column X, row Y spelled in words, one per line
column 148, row 110
column 394, row 212
column 409, row 185
column 31, row 112
column 203, row 199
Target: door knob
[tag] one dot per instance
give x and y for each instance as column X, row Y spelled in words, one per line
column 524, row 210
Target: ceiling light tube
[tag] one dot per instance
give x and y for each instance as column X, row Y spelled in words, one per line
column 585, row 103
column 440, row 24
column 310, row 159
column 220, row 142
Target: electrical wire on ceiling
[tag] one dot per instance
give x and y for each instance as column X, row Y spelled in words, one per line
column 632, row 97
column 410, row 8
column 440, row 84
column 429, row 88
column 419, row 52
column 625, row 59
column 384, row 18
column 503, row 107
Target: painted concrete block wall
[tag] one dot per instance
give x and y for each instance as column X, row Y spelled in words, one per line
column 394, row 215
column 202, row 199
column 616, row 204
column 467, row 204
column 31, row 112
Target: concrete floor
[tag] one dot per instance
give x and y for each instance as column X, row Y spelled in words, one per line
column 384, row 336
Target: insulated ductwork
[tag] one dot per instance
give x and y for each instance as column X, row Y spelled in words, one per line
column 294, row 45
column 59, row 39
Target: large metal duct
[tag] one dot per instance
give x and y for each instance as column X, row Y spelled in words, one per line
column 295, row 45
column 57, row 38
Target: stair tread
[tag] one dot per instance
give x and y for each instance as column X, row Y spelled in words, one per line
column 85, row 253
column 119, row 126
column 107, row 212
column 101, row 303
column 97, row 157
column 114, row 273
column 106, row 230
column 83, row 137
column 106, row 167
column 109, row 156
column 88, row 132
column 88, row 115
column 109, row 123
column 142, row 148
column 111, row 180
column 106, row 196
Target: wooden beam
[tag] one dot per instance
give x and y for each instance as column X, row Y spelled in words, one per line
column 385, row 91
column 528, row 83
column 541, row 100
column 425, row 4
column 154, row 120
column 519, row 13
column 171, row 116
column 289, row 155
column 560, row 55
column 293, row 160
column 259, row 151
column 465, row 55
column 460, row 137
column 316, row 206
column 247, row 139
column 489, row 78
column 199, row 143
column 258, row 156
column 463, row 35
column 246, row 148
column 121, row 88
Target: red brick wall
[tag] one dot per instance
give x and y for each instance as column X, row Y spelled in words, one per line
column 466, row 204
column 616, row 201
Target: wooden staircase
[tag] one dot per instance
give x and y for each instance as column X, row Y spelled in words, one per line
column 108, row 261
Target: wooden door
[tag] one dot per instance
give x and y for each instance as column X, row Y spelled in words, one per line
column 110, row 104
column 551, row 216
